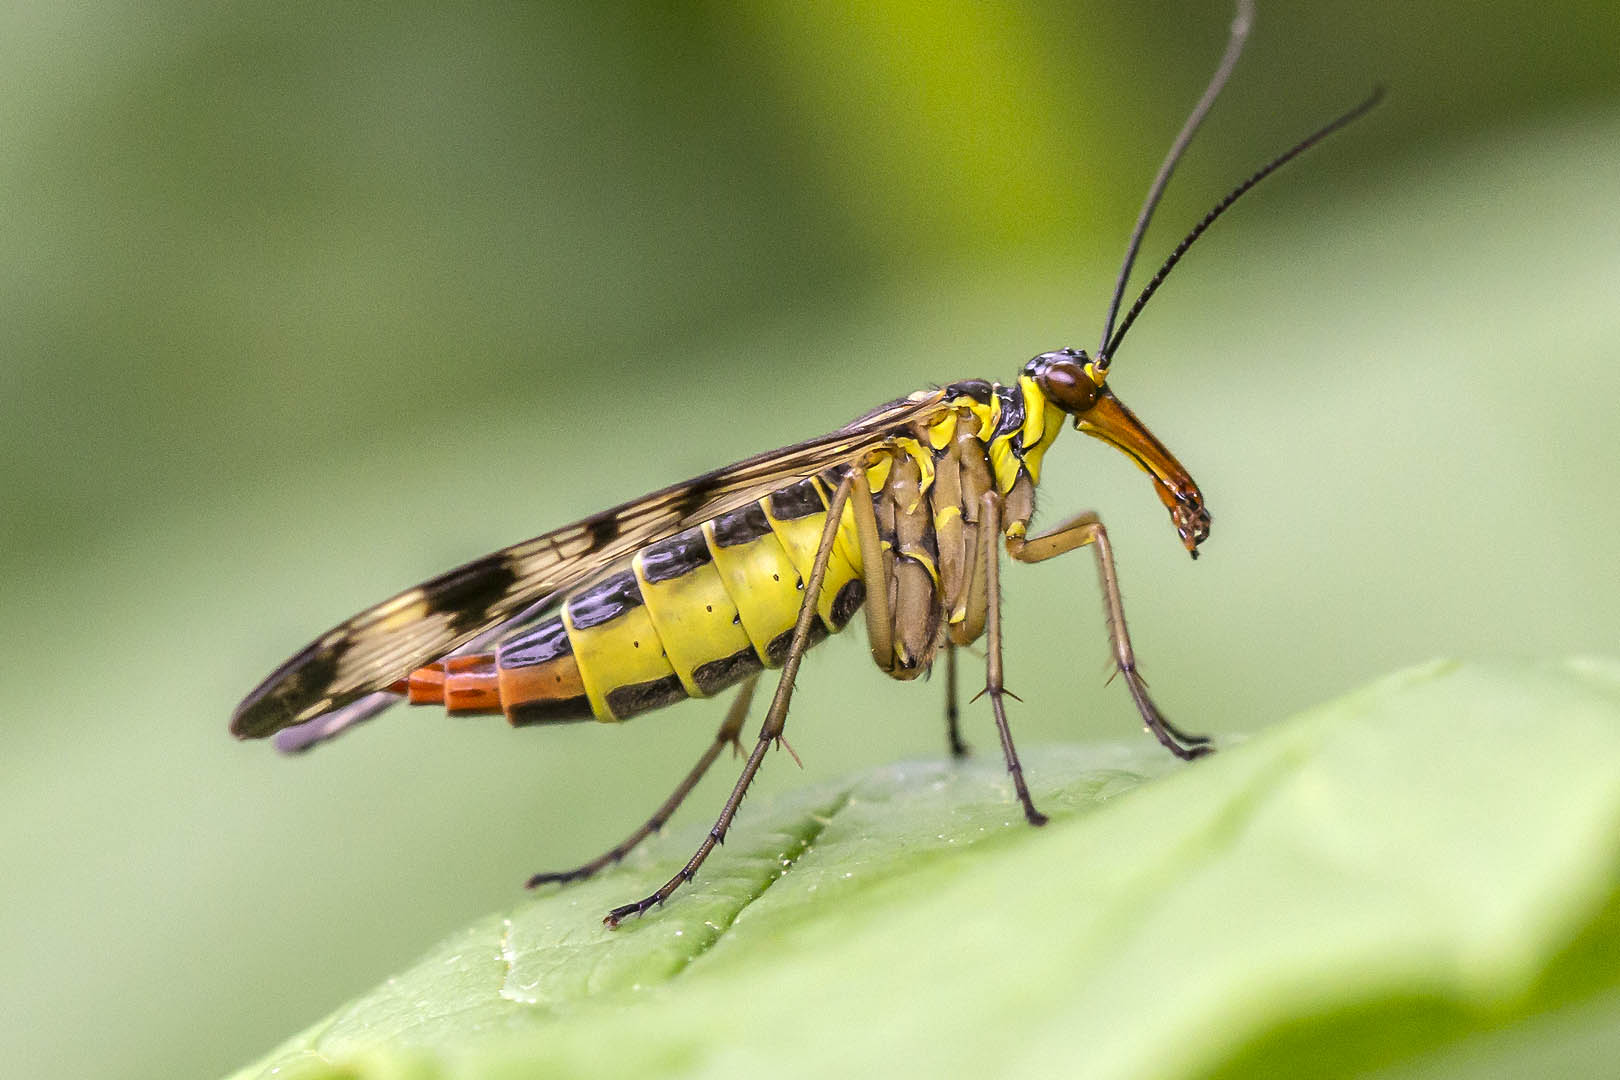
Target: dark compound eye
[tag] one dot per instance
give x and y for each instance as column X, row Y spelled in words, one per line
column 1062, row 377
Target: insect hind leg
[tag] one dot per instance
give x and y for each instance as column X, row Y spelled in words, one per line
column 775, row 719
column 1080, row 531
column 730, row 729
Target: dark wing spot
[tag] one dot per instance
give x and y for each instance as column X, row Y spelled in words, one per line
column 467, row 593
column 603, row 528
column 686, row 502
column 276, row 701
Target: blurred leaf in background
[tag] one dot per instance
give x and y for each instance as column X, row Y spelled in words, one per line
column 303, row 305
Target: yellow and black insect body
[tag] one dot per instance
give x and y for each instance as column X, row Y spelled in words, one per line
column 715, row 604
column 903, row 514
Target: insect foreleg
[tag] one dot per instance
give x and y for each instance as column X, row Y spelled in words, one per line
column 874, row 573
column 776, row 718
column 989, row 532
column 730, row 729
column 1080, row 531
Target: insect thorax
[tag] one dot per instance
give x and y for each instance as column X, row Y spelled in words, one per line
column 928, row 492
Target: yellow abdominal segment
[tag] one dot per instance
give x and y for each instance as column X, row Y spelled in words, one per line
column 800, row 537
column 759, row 577
column 623, row 652
column 695, row 618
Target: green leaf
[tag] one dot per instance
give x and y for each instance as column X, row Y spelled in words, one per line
column 1419, row 877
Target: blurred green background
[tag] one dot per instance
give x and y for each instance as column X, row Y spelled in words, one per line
column 302, row 306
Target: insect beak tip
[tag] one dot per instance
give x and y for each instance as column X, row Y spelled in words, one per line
column 1192, row 523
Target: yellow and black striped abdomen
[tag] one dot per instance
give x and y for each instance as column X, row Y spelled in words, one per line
column 691, row 616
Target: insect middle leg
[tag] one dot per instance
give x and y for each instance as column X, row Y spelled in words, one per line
column 1080, row 531
column 877, row 576
column 775, row 719
column 730, row 729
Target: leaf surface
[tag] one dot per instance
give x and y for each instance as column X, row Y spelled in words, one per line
column 1417, row 877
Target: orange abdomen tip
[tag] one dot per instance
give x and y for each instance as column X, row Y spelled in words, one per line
column 425, row 685
column 462, row 684
column 470, row 684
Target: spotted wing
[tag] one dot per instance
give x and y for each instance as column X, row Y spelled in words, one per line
column 382, row 644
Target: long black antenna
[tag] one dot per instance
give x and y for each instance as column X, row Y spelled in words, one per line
column 1234, row 48
column 1112, row 345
